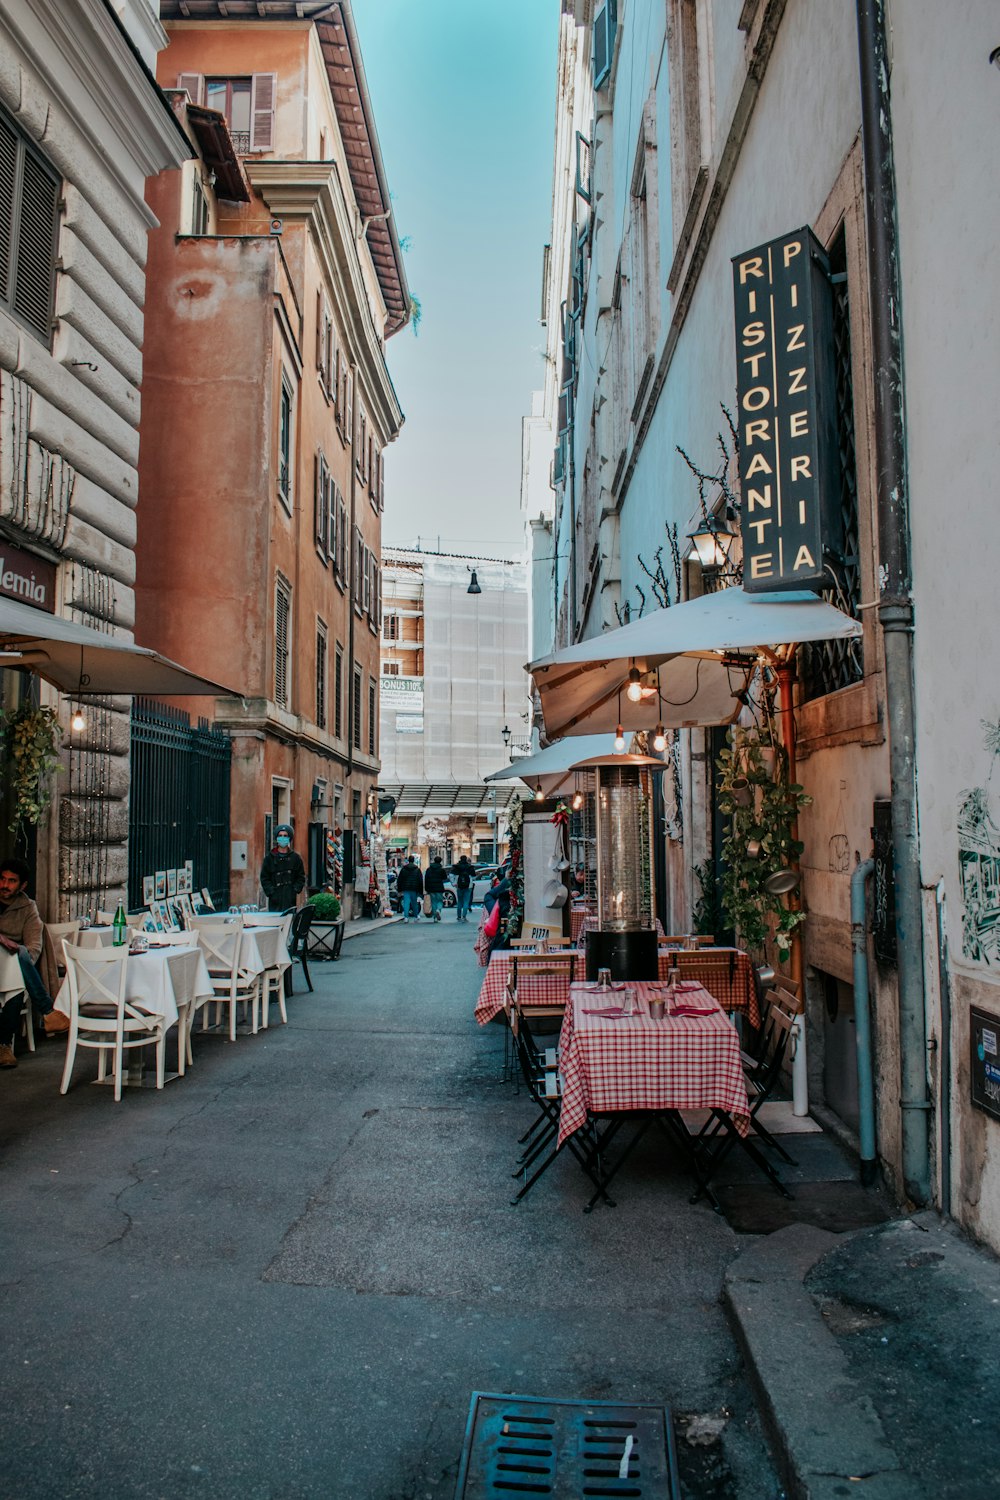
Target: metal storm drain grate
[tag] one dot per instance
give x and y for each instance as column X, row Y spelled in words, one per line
column 520, row 1445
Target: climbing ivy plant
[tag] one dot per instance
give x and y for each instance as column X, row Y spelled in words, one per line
column 762, row 806
column 32, row 737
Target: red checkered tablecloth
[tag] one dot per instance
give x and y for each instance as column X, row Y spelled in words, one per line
column 544, row 989
column 577, row 917
column 617, row 1065
column 726, row 973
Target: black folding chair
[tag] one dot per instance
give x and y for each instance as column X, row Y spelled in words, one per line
column 298, row 946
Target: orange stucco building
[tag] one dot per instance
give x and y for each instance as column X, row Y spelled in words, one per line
column 275, row 279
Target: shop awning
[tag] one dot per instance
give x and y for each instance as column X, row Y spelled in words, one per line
column 694, row 661
column 78, row 660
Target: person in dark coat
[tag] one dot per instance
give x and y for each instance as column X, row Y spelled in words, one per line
column 410, row 885
column 282, row 875
column 434, row 887
column 463, row 874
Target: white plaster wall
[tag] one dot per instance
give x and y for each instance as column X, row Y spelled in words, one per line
column 946, row 119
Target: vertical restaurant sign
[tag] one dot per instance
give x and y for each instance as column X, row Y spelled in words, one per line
column 789, row 481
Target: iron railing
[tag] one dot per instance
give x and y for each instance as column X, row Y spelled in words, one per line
column 179, row 807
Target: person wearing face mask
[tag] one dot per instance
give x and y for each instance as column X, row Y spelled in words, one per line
column 282, row 875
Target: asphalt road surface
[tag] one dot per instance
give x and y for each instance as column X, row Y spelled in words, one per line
column 284, row 1276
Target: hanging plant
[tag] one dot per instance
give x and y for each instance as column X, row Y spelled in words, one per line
column 762, row 806
column 32, row 738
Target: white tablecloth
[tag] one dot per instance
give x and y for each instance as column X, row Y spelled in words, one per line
column 11, row 978
column 160, row 981
column 263, row 948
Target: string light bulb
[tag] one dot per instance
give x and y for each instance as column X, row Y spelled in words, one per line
column 659, row 739
column 539, row 794
column 619, row 740
column 78, row 723
column 634, row 690
column 577, row 801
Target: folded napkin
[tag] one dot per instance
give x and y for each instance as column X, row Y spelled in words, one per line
column 693, row 1010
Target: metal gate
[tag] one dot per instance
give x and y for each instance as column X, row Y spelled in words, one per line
column 179, row 801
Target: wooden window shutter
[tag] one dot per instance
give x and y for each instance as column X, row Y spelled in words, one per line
column 349, row 406
column 38, row 225
column 343, row 539
column 8, row 177
column 322, row 505
column 338, row 399
column 263, row 95
column 195, row 85
column 282, row 622
column 319, row 330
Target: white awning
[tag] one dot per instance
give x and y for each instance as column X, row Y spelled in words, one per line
column 78, row 660
column 694, row 661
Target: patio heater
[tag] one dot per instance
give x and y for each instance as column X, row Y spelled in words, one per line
column 624, row 940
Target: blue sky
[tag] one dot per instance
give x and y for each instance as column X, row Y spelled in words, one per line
column 463, row 93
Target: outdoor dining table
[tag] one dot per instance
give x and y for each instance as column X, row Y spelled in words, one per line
column 577, row 916
column 162, row 982
column 732, row 985
column 547, row 990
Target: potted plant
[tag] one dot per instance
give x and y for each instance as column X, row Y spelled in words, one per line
column 759, row 846
column 327, row 931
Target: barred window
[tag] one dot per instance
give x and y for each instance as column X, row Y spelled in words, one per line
column 29, row 223
column 282, row 639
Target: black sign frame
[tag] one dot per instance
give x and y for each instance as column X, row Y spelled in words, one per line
column 786, row 393
column 984, row 1055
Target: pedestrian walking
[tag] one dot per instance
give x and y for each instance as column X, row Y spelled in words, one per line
column 463, row 873
column 410, row 885
column 434, row 887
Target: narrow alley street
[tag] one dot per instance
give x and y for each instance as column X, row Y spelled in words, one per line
column 285, row 1275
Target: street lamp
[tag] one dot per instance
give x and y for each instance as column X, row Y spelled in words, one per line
column 709, row 544
column 505, row 736
column 473, row 583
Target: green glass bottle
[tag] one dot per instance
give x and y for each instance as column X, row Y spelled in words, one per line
column 119, row 927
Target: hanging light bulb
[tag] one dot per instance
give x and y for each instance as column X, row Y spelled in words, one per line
column 659, row 739
column 577, row 801
column 619, row 739
column 539, row 794
column 78, row 723
column 634, row 690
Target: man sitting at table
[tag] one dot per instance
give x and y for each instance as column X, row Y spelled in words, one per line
column 21, row 932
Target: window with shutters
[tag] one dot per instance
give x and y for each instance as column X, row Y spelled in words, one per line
column 361, row 448
column 358, row 583
column 390, row 669
column 285, row 446
column 390, row 628
column 282, row 640
column 325, row 346
column 247, row 103
column 320, row 675
column 346, row 412
column 199, row 205
column 372, row 715
column 338, row 693
column 29, row 225
column 340, row 555
column 366, row 582
column 356, row 710
column 323, row 486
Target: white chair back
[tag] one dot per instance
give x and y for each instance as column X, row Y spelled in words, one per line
column 97, row 977
column 221, row 942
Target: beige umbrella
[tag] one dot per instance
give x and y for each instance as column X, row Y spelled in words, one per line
column 79, row 660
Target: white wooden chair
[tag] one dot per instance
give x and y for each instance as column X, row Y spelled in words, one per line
column 101, row 1016
column 222, row 943
column 273, row 981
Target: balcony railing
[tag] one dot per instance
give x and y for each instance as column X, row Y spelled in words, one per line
column 241, row 142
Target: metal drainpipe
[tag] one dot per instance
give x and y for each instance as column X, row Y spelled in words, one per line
column 944, row 1064
column 896, row 605
column 862, row 1022
column 350, row 608
column 572, row 540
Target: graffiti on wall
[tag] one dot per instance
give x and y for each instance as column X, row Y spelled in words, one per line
column 979, row 861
